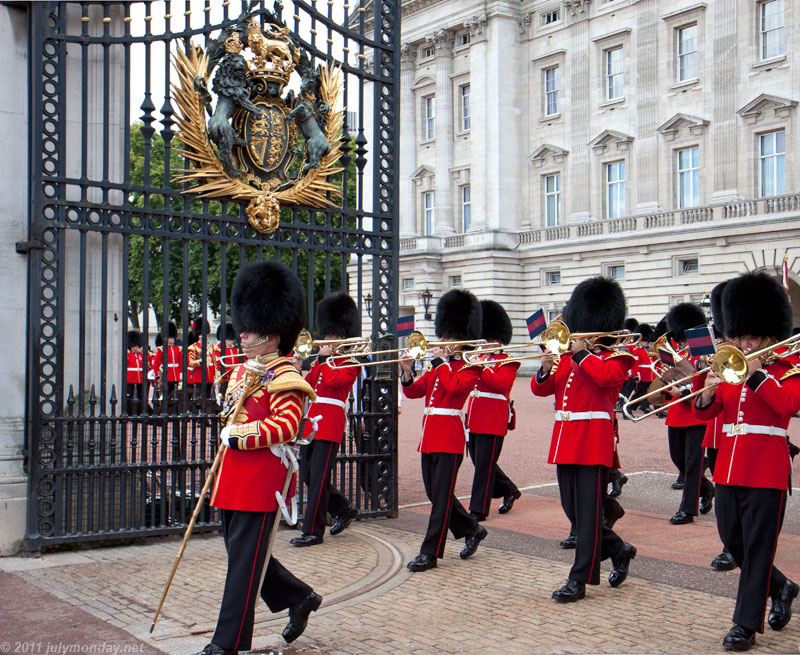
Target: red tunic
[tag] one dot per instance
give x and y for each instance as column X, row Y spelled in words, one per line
column 644, row 367
column 713, row 435
column 194, row 354
column 748, row 454
column 135, row 373
column 445, row 387
column 585, row 383
column 249, row 476
column 487, row 414
column 680, row 415
column 173, row 363
column 332, row 383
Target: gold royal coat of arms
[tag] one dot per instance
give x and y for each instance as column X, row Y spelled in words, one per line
column 245, row 147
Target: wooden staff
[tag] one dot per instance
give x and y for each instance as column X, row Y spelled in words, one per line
column 252, row 382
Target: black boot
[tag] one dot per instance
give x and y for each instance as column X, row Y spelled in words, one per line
column 213, row 649
column 621, row 563
column 472, row 541
column 570, row 543
column 508, row 502
column 421, row 563
column 724, row 562
column 739, row 638
column 344, row 520
column 781, row 610
column 298, row 616
column 570, row 592
column 617, row 484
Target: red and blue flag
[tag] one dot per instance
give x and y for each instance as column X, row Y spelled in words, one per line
column 405, row 325
column 536, row 323
column 701, row 341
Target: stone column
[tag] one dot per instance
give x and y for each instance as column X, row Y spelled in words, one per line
column 724, row 137
column 443, row 42
column 647, row 108
column 479, row 99
column 408, row 144
column 582, row 86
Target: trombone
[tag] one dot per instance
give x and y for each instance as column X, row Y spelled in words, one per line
column 730, row 365
column 416, row 348
column 305, row 344
column 556, row 340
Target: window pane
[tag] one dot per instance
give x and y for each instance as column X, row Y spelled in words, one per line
column 780, row 138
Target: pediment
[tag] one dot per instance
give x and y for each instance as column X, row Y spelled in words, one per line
column 673, row 126
column 421, row 173
column 754, row 110
column 425, row 80
column 547, row 150
column 610, row 138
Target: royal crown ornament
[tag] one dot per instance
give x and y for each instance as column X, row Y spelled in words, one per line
column 246, row 146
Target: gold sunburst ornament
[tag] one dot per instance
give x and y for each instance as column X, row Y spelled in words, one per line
column 248, row 150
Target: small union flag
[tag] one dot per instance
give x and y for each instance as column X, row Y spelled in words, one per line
column 701, row 341
column 536, row 323
column 666, row 356
column 405, row 325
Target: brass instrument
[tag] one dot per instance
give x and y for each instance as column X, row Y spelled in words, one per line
column 416, row 348
column 730, row 365
column 232, row 360
column 556, row 340
column 305, row 344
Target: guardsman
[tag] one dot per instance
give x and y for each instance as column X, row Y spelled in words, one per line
column 227, row 334
column 135, row 392
column 200, row 378
column 753, row 465
column 268, row 307
column 586, row 384
column 445, row 385
column 644, row 365
column 332, row 379
column 684, row 432
column 168, row 368
column 489, row 412
column 713, row 436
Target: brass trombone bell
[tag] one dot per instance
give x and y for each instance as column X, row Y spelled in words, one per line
column 305, row 344
column 729, row 363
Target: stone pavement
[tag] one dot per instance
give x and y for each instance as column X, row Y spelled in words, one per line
column 103, row 600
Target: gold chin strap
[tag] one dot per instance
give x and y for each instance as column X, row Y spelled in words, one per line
column 257, row 342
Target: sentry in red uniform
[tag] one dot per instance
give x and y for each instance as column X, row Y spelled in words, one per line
column 488, row 416
column 586, row 384
column 753, row 464
column 445, row 386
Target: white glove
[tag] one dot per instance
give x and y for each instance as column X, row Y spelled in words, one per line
column 225, row 435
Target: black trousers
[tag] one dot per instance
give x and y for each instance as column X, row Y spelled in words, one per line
column 316, row 465
column 246, row 536
column 489, row 480
column 749, row 521
column 583, row 490
column 641, row 390
column 439, row 473
column 686, row 452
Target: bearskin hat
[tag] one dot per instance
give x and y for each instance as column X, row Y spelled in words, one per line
column 596, row 305
column 716, row 308
column 458, row 316
column 755, row 304
column 661, row 328
column 630, row 324
column 268, row 298
column 338, row 315
column 226, row 332
column 647, row 332
column 683, row 316
column 172, row 332
column 200, row 326
column 135, row 338
column 495, row 322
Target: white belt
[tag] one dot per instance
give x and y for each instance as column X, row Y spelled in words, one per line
column 175, row 365
column 486, row 394
column 138, row 370
column 581, row 416
column 743, row 428
column 331, row 401
column 441, row 411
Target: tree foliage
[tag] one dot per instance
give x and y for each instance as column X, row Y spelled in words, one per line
column 152, row 259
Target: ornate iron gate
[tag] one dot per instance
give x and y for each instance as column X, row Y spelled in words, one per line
column 111, row 237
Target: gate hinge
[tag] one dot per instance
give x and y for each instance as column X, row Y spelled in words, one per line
column 24, row 247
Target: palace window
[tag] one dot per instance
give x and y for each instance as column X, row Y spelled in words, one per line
column 687, row 52
column 615, row 271
column 466, row 207
column 770, row 25
column 429, row 203
column 552, row 199
column 687, row 266
column 455, row 280
column 615, row 189
column 551, row 91
column 430, row 117
column 688, row 177
column 550, row 17
column 408, row 283
column 614, row 74
column 772, row 163
column 552, row 278
column 465, row 115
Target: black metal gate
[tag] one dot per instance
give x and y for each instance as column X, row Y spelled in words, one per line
column 114, row 243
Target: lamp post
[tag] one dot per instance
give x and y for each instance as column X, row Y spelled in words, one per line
column 426, row 296
column 705, row 304
column 368, row 303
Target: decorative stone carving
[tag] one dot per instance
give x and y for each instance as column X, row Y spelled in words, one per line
column 442, row 41
column 408, row 54
column 547, row 151
column 477, row 26
column 524, row 23
column 754, row 110
column 577, row 6
column 671, row 128
column 608, row 138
